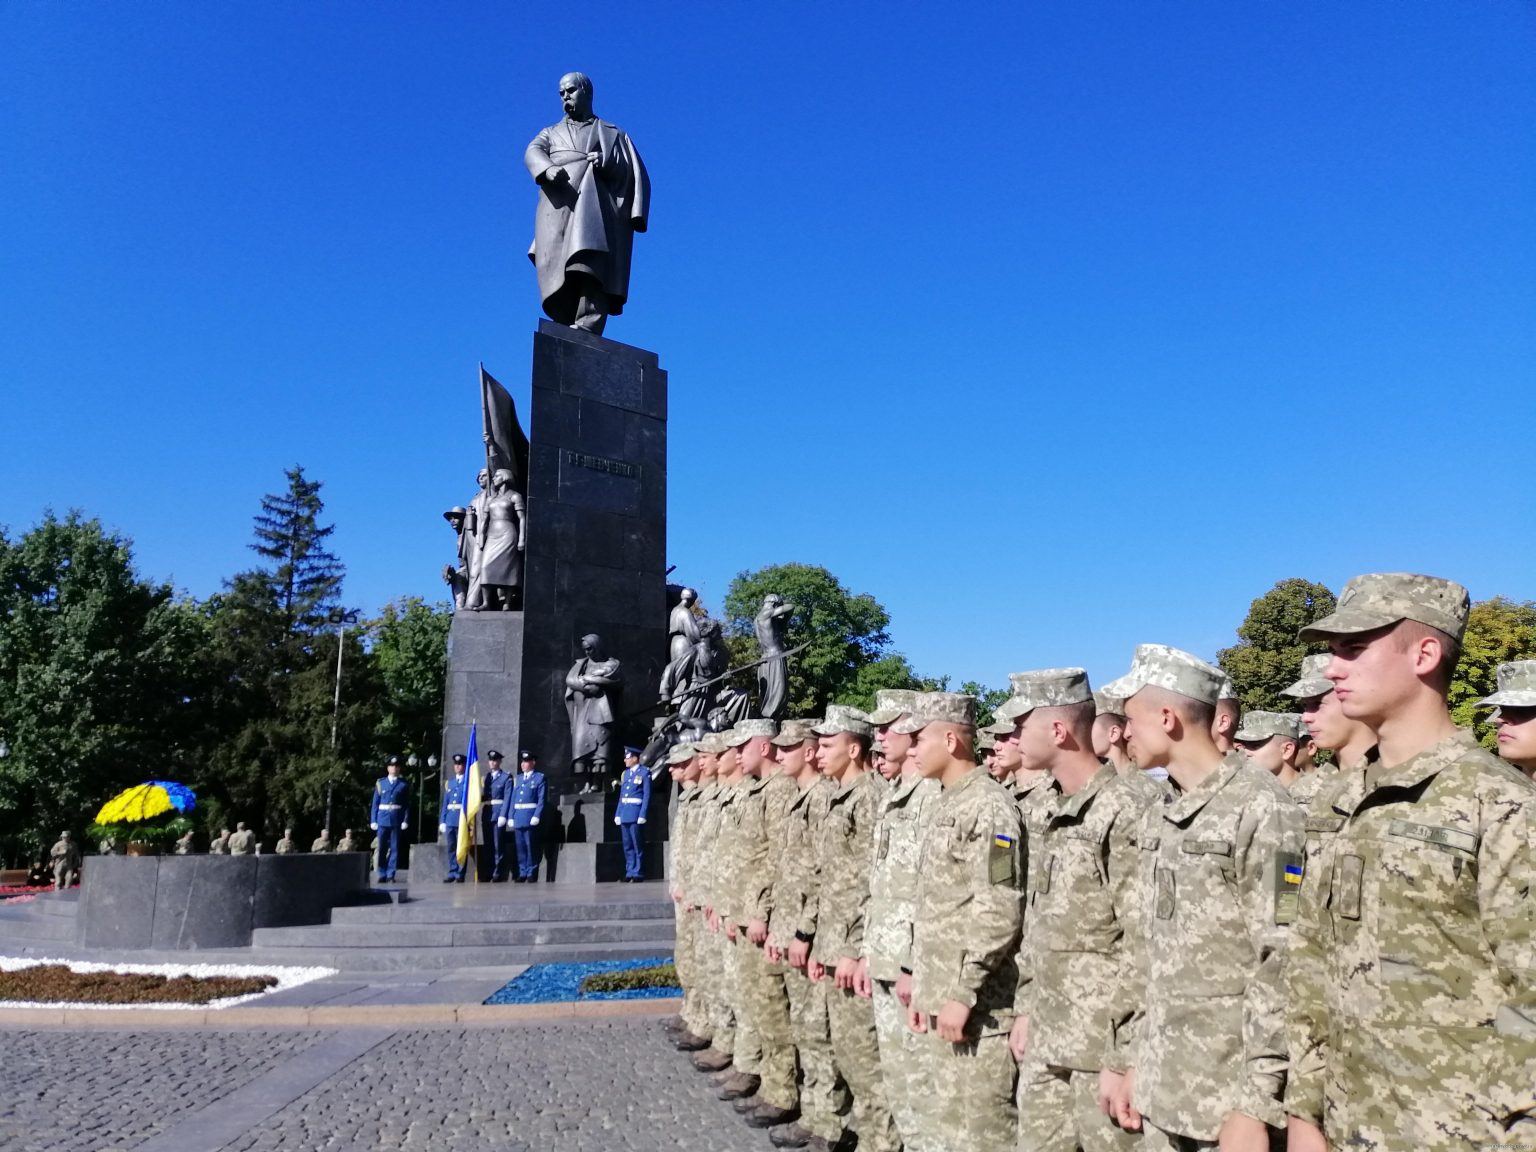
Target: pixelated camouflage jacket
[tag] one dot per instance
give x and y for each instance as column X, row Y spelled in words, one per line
column 1412, row 980
column 1211, row 908
column 680, row 855
column 762, row 840
column 1082, row 866
column 728, row 847
column 844, row 844
column 797, row 884
column 970, row 903
column 705, row 837
column 893, row 877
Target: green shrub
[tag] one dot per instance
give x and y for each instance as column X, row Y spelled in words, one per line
column 659, row 976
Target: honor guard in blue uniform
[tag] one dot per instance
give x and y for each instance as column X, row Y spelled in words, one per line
column 448, row 819
column 389, row 816
column 527, row 807
column 634, row 803
column 496, row 794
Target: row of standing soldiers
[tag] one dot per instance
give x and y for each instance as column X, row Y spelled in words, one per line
column 1092, row 957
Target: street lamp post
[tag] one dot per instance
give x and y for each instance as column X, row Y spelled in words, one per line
column 411, row 762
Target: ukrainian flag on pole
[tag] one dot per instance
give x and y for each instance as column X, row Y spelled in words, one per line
column 471, row 811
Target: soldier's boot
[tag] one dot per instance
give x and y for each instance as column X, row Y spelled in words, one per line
column 745, row 1104
column 688, row 1042
column 712, row 1060
column 771, row 1115
column 794, row 1136
column 673, row 1024
column 721, row 1079
column 742, row 1084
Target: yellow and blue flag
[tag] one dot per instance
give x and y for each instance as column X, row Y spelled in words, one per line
column 471, row 811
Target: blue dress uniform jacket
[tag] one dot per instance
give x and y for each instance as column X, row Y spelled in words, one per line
column 497, row 795
column 390, row 811
column 527, row 806
column 449, row 816
column 634, row 803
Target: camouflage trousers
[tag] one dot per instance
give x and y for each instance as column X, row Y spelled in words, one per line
column 823, row 1095
column 765, row 1006
column 901, row 1069
column 857, row 1053
column 1059, row 1112
column 968, row 1105
column 685, row 958
column 746, row 1045
column 709, row 951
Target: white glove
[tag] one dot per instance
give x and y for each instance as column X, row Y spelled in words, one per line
column 442, row 828
column 373, row 827
column 404, row 824
column 535, row 820
column 501, row 821
column 615, row 819
column 642, row 819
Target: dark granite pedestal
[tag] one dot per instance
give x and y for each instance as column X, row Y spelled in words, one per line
column 594, row 561
column 189, row 902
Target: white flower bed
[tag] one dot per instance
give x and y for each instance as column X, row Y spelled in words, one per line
column 286, row 978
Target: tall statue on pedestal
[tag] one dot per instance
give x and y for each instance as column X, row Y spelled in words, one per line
column 498, row 581
column 491, row 530
column 594, row 195
column 682, row 635
column 773, row 673
column 592, row 689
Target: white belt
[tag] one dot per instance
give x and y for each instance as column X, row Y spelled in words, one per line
column 455, row 807
column 499, row 800
column 630, row 800
column 525, row 805
column 390, row 807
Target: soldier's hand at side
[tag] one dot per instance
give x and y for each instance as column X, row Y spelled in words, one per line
column 373, row 827
column 676, row 894
column 730, row 932
column 616, row 822
column 774, row 953
column 501, row 821
column 952, row 1020
column 799, row 953
column 862, row 984
column 1121, row 1110
column 404, row 824
column 917, row 1021
column 1242, row 1133
column 757, row 931
column 442, row 829
column 904, row 989
column 534, row 821
column 642, row 820
column 1304, row 1136
column 814, row 971
column 847, row 968
column 1018, row 1038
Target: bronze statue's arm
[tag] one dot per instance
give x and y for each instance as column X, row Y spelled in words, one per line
column 537, row 161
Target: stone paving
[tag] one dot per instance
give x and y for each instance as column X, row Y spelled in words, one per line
column 571, row 1086
column 82, row 1091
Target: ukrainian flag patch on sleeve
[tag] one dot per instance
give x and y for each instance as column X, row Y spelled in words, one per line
column 1000, row 865
column 1288, row 873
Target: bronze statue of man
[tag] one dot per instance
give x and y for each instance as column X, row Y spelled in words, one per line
column 592, row 689
column 594, row 195
column 773, row 673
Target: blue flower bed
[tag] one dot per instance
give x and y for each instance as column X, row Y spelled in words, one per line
column 552, row 983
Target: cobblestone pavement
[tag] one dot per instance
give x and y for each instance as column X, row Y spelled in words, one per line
column 570, row 1086
column 83, row 1091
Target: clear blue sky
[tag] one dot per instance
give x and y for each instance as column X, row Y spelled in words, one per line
column 1056, row 327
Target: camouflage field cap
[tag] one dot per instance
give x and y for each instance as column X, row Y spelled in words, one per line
column 793, row 732
column 1159, row 666
column 680, row 754
column 985, row 742
column 1312, row 682
column 841, row 718
column 999, row 728
column 712, row 743
column 1517, row 686
column 1381, row 598
column 1228, row 690
column 890, row 703
column 755, row 729
column 1044, row 688
column 1260, row 725
column 1106, row 705
column 938, row 708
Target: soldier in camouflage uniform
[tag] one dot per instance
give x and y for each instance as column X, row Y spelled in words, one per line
column 1203, row 1047
column 710, row 950
column 693, row 1030
column 760, row 833
column 1351, row 742
column 1109, row 743
column 1229, row 711
column 791, row 930
column 986, row 745
column 1082, row 863
column 727, row 923
column 1514, row 714
column 964, row 936
column 884, row 970
column 1272, row 741
column 1412, row 1001
column 844, row 848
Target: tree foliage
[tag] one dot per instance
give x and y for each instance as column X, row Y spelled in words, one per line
column 849, row 655
column 1268, row 654
column 409, row 642
column 1498, row 631
column 99, row 678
